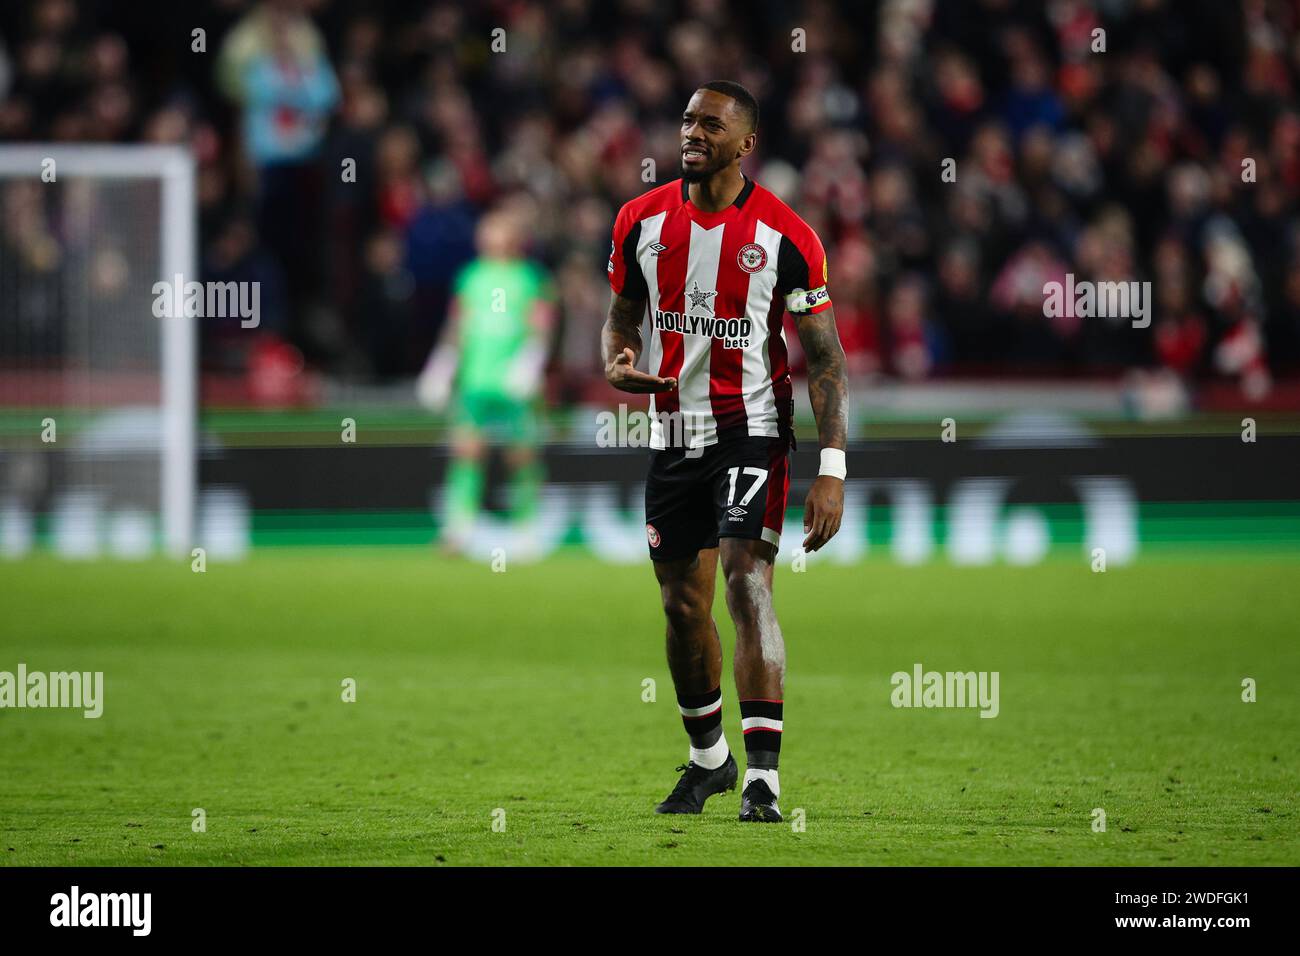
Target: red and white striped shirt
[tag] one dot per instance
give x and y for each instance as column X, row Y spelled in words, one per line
column 717, row 285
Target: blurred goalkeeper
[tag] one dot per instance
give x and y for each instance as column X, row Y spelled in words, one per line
column 489, row 363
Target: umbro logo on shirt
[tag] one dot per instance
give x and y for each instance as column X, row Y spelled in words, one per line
column 656, row 248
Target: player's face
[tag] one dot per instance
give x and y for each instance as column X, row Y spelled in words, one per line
column 714, row 135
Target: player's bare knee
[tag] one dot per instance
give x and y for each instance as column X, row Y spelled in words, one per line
column 520, row 456
column 468, row 445
column 685, row 609
column 680, row 614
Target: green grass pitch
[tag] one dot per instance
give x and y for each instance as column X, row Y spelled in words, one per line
column 521, row 692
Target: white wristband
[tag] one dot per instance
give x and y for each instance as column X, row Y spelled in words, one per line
column 833, row 463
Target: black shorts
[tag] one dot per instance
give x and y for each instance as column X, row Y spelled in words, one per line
column 734, row 489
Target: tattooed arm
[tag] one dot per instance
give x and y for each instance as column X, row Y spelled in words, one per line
column 828, row 390
column 620, row 345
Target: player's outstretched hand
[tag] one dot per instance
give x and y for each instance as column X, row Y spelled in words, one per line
column 823, row 511
column 624, row 376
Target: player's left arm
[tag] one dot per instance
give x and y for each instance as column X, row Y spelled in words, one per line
column 828, row 390
column 434, row 385
column 527, row 371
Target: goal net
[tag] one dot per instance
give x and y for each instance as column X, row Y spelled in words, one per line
column 97, row 394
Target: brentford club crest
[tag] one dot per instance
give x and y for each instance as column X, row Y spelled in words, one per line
column 652, row 535
column 752, row 257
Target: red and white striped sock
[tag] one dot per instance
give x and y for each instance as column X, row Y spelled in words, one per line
column 702, row 717
column 761, row 722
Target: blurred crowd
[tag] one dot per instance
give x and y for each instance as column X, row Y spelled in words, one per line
column 1115, row 140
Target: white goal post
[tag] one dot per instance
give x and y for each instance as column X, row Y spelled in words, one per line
column 102, row 169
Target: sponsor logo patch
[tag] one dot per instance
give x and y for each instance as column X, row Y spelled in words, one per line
column 805, row 300
column 700, row 298
column 734, row 333
column 752, row 257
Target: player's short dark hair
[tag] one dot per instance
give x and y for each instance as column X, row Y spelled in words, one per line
column 744, row 99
